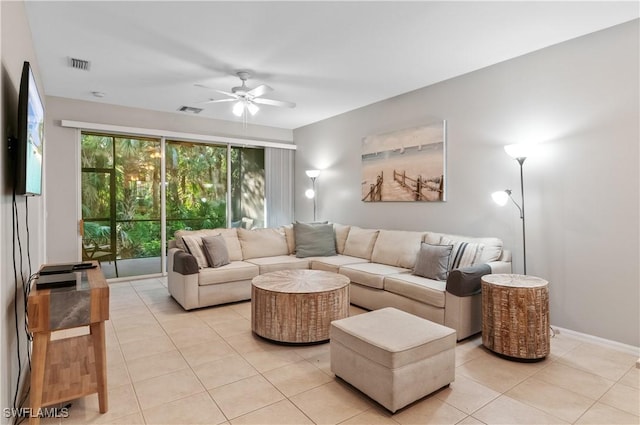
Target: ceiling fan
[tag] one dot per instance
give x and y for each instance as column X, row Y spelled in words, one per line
column 247, row 99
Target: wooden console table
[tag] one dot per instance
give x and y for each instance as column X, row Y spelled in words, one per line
column 74, row 367
column 515, row 315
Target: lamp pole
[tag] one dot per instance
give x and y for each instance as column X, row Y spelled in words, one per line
column 313, row 175
column 315, row 195
column 524, row 243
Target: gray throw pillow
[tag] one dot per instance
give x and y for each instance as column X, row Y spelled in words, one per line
column 215, row 249
column 432, row 261
column 314, row 240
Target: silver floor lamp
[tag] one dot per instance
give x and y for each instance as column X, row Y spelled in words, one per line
column 311, row 193
column 519, row 152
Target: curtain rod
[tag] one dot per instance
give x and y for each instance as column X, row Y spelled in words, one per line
column 174, row 135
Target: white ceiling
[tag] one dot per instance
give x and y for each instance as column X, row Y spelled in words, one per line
column 328, row 57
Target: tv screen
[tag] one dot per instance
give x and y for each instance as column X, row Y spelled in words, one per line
column 30, row 141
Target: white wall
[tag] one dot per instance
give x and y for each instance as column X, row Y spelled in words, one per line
column 62, row 174
column 581, row 99
column 17, row 47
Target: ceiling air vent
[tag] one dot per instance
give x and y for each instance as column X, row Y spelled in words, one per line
column 79, row 64
column 190, row 109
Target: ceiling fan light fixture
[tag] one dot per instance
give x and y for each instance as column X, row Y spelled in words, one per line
column 238, row 108
column 247, row 100
column 253, row 108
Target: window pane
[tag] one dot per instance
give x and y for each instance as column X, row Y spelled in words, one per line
column 96, row 151
column 138, row 197
column 247, row 187
column 121, row 204
column 196, row 186
column 96, row 189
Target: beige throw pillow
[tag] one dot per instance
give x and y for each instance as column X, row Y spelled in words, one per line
column 193, row 244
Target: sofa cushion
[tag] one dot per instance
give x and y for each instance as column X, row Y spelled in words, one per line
column 417, row 288
column 333, row 263
column 230, row 237
column 280, row 262
column 215, row 249
column 232, row 272
column 314, row 240
column 291, row 238
column 259, row 243
column 370, row 274
column 360, row 242
column 432, row 261
column 491, row 251
column 341, row 231
column 193, row 244
column 397, row 248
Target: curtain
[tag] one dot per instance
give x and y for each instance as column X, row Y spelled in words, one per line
column 279, row 186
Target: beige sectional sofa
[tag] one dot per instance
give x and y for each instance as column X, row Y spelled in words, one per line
column 378, row 262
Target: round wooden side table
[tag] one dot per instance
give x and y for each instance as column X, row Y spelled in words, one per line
column 297, row 306
column 515, row 315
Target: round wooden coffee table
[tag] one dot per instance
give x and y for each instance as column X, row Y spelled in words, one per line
column 297, row 306
column 515, row 315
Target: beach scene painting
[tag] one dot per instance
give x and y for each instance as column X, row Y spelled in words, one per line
column 405, row 165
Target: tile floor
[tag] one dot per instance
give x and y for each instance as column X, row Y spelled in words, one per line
column 169, row 366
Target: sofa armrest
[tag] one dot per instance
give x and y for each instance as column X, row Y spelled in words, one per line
column 465, row 281
column 184, row 263
column 182, row 287
column 498, row 267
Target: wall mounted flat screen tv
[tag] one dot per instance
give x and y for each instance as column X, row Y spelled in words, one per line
column 30, row 142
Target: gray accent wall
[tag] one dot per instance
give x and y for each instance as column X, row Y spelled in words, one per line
column 580, row 99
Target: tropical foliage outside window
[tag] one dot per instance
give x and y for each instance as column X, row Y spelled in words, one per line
column 121, row 179
column 196, row 186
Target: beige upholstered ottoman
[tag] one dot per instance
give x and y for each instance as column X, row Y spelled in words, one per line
column 392, row 356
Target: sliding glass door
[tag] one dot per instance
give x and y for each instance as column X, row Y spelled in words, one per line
column 121, row 204
column 122, row 196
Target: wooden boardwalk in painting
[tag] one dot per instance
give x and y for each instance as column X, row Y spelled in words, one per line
column 405, row 188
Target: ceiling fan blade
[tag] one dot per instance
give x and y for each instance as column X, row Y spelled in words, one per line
column 218, row 100
column 204, row 87
column 259, row 91
column 272, row 102
column 226, row 93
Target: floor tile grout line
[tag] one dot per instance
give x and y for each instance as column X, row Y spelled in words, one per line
column 191, row 367
column 141, row 411
column 599, row 400
column 564, row 356
column 133, row 387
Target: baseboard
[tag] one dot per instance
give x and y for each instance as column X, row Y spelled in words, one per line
column 600, row 341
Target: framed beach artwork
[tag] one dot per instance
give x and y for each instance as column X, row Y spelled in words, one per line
column 405, row 165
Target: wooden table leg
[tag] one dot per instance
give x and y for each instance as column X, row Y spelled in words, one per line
column 99, row 349
column 39, row 357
